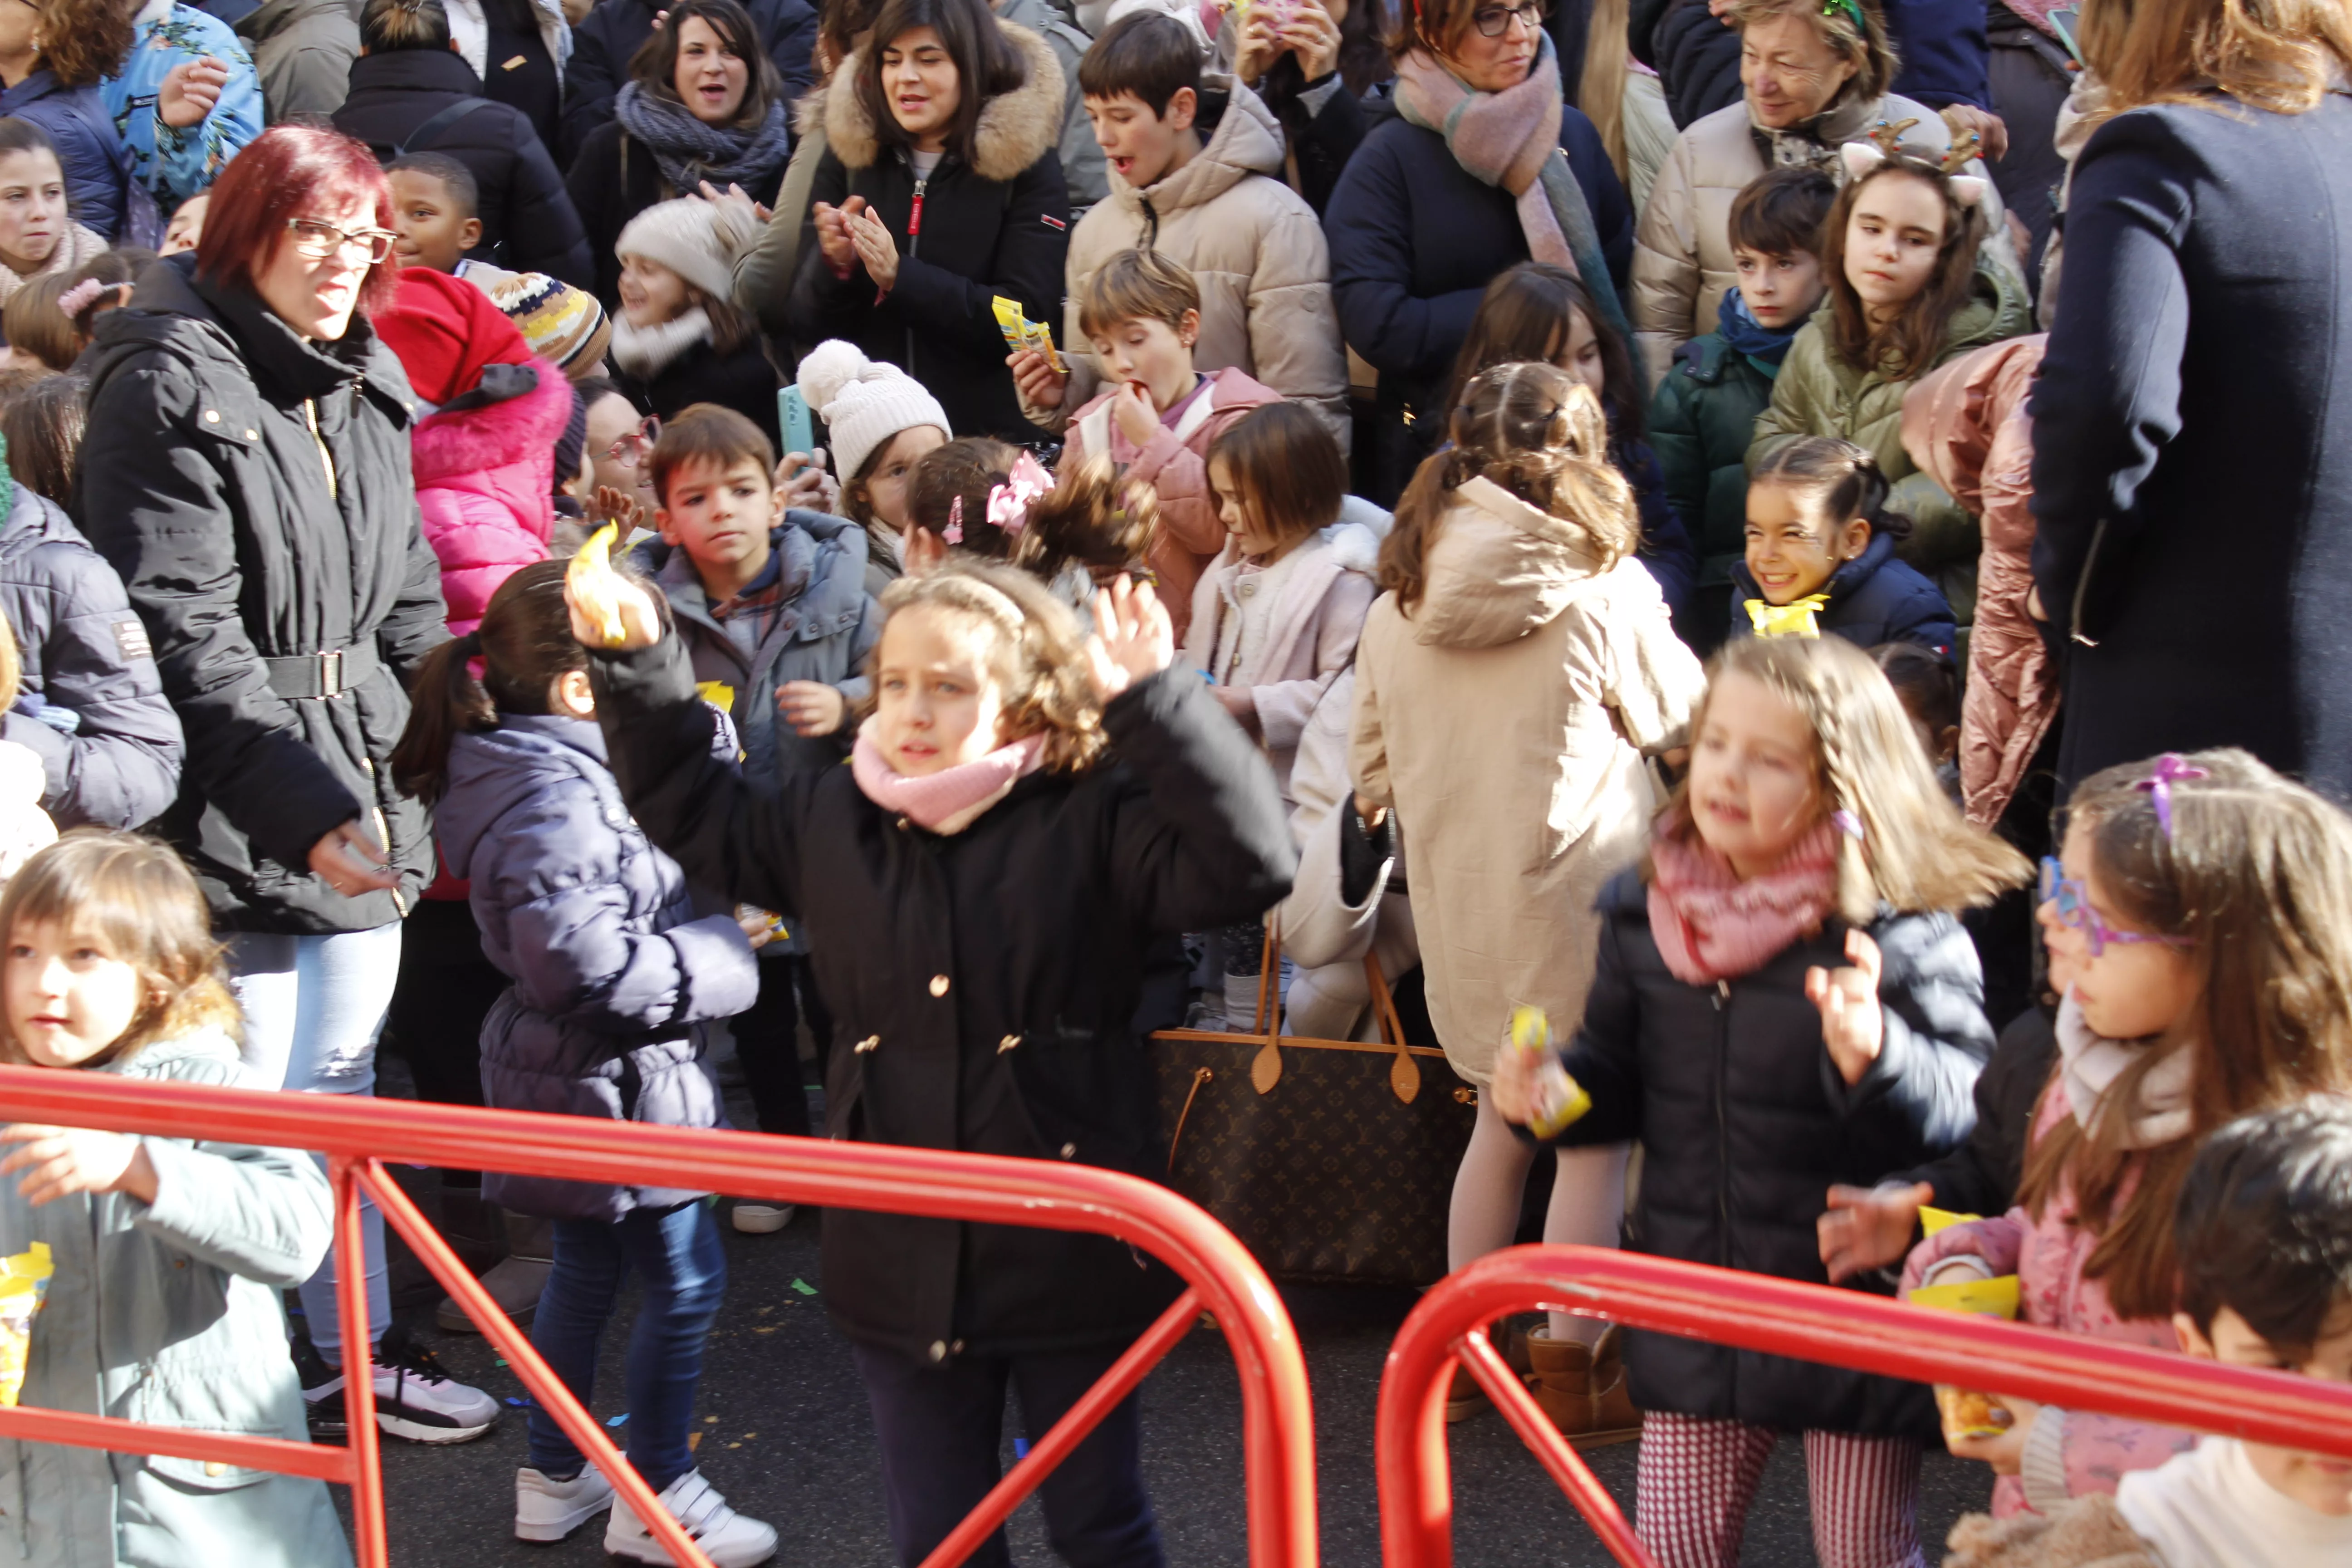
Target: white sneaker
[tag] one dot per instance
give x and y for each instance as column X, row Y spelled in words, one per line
column 549, row 1510
column 762, row 1219
column 415, row 1397
column 726, row 1537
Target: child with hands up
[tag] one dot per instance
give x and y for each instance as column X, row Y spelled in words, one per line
column 1026, row 813
column 1783, row 1000
column 169, row 1254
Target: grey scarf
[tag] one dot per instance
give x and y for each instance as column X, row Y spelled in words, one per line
column 1815, row 144
column 687, row 151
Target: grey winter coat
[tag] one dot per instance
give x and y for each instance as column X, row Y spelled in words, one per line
column 85, row 651
column 612, row 975
column 303, row 50
column 168, row 1314
column 824, row 634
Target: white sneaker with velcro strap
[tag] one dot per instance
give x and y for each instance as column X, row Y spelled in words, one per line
column 729, row 1539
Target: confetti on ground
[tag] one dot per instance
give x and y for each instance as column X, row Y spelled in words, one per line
column 710, row 1421
column 748, row 1435
column 734, row 1445
column 693, row 1442
column 762, row 1328
column 502, row 1360
column 1020, row 1447
column 518, row 1403
column 804, row 1286
column 620, row 1420
column 763, row 1309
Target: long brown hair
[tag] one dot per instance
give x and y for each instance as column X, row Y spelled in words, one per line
column 1283, row 461
column 1915, row 853
column 1538, row 433
column 2279, row 55
column 1908, row 344
column 1039, row 657
column 136, row 895
column 1093, row 518
column 987, row 66
column 525, row 644
column 2256, row 875
column 1524, row 315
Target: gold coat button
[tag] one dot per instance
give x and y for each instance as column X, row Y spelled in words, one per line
column 1007, row 1043
column 938, row 1350
column 868, row 1044
column 1069, row 1150
column 939, row 985
column 215, row 1469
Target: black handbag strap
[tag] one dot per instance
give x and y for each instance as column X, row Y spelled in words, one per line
column 426, row 137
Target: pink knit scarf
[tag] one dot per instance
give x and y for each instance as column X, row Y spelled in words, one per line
column 948, row 801
column 1501, row 138
column 1709, row 925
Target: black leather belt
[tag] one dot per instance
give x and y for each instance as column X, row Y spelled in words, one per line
column 316, row 674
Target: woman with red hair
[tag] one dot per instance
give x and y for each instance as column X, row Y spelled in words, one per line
column 247, row 471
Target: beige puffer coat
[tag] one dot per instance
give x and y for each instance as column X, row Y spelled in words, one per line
column 1507, row 720
column 1682, row 249
column 1255, row 246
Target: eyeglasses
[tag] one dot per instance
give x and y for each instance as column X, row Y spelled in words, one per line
column 2074, row 912
column 321, row 240
column 632, row 449
column 1494, row 21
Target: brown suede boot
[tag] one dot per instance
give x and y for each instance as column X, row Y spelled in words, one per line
column 1583, row 1390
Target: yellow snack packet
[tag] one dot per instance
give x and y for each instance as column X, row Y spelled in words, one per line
column 1967, row 1414
column 1933, row 1219
column 24, row 1282
column 1560, row 1100
column 1022, row 334
column 596, row 585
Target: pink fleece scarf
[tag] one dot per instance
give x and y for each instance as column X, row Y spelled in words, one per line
column 1709, row 925
column 946, row 802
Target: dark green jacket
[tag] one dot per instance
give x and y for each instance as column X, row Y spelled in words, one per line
column 1701, row 423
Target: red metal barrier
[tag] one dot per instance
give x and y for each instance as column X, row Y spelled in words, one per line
column 358, row 1136
column 1750, row 1311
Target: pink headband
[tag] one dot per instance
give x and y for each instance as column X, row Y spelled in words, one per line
column 81, row 296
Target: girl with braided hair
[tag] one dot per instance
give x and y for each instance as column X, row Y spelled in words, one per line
column 1784, row 1001
column 1914, row 280
column 1510, row 682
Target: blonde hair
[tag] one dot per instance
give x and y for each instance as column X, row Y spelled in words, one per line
column 1865, row 45
column 1600, row 88
column 2278, row 55
column 1915, row 852
column 1539, row 433
column 135, row 896
column 1038, row 656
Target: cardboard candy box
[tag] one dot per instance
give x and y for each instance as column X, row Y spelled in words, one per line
column 1967, row 1414
column 24, row 1284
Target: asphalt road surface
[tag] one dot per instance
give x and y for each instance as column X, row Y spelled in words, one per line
column 787, row 1437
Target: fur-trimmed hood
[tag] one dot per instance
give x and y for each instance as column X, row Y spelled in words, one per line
column 509, row 431
column 1016, row 128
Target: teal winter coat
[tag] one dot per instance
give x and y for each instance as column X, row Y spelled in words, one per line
column 1701, row 423
column 168, row 1314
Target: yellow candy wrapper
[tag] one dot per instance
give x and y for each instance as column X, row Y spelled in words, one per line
column 1933, row 1219
column 596, row 585
column 1022, row 334
column 24, row 1282
column 1967, row 1414
column 1560, row 1100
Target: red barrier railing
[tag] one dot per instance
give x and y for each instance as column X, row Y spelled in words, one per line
column 359, row 1135
column 1750, row 1311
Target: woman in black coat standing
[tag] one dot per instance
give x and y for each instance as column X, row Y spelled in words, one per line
column 939, row 190
column 2193, row 470
column 1024, row 816
column 1417, row 234
column 246, row 472
column 411, row 92
column 702, row 105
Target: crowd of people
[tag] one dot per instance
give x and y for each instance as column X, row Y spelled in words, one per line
column 1083, row 488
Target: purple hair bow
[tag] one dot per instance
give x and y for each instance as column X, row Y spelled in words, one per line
column 2170, row 769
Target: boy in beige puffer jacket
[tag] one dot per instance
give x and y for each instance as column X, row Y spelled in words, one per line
column 1220, row 208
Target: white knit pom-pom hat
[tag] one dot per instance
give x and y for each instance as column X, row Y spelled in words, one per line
column 683, row 235
column 864, row 402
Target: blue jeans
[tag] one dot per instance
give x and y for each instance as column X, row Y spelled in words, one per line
column 313, row 1006
column 941, row 1428
column 677, row 1252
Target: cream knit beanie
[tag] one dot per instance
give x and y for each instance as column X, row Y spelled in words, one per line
column 684, row 236
column 863, row 403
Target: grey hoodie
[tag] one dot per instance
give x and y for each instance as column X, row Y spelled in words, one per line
column 302, row 51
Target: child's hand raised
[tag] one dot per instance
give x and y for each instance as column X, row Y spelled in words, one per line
column 811, row 707
column 1869, row 1227
column 1852, row 1027
column 63, row 1161
column 1133, row 639
column 802, row 481
column 640, row 623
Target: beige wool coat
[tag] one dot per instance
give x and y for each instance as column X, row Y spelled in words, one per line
column 1252, row 245
column 1507, row 721
column 1683, row 264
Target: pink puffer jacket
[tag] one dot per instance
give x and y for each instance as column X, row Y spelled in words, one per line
column 2068, row 1453
column 485, row 484
column 1966, row 425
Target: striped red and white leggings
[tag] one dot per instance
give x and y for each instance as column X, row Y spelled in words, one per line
column 1697, row 1476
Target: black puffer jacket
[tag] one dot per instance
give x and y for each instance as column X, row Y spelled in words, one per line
column 1745, row 1124
column 528, row 224
column 252, row 541
column 997, row 225
column 987, row 981
column 1698, row 61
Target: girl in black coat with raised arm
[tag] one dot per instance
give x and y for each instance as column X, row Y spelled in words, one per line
column 980, row 887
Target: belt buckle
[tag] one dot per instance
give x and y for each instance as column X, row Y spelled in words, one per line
column 331, row 673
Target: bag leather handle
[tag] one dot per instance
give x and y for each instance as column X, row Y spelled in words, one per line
column 1265, row 1069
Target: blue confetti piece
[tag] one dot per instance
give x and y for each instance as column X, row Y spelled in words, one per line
column 620, row 1420
column 1020, row 1447
column 517, row 1403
